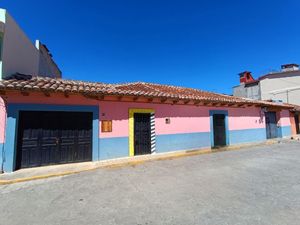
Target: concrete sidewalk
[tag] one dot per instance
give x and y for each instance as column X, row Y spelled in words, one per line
column 255, row 185
column 73, row 168
column 67, row 169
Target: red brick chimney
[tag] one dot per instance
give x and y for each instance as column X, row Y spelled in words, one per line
column 246, row 77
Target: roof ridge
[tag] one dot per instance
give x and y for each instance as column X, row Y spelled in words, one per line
column 70, row 80
column 145, row 89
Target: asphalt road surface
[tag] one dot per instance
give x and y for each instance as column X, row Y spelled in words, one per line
column 259, row 185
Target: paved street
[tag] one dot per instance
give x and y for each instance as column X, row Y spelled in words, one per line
column 259, row 185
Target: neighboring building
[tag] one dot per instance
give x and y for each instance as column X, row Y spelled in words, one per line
column 248, row 88
column 277, row 86
column 19, row 55
column 283, row 86
column 46, row 121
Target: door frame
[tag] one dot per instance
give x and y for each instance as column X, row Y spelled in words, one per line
column 211, row 116
column 131, row 128
column 11, row 130
column 278, row 128
column 297, row 125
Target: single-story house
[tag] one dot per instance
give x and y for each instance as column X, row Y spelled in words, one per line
column 295, row 119
column 45, row 121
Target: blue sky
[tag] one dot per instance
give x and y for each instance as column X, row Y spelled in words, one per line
column 200, row 44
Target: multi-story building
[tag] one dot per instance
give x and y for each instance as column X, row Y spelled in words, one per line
column 19, row 55
column 276, row 86
column 282, row 86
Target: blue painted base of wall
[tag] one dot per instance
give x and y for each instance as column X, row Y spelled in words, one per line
column 113, row 147
column 110, row 148
column 247, row 136
column 284, row 131
column 1, row 156
column 175, row 142
column 118, row 147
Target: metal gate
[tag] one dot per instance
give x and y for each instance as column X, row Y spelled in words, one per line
column 46, row 138
column 219, row 129
column 142, row 134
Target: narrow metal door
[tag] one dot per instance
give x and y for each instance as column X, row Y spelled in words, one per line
column 271, row 125
column 219, row 130
column 142, row 133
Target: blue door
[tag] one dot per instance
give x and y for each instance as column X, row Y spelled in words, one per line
column 271, row 125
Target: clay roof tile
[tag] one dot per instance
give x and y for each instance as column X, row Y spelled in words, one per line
column 128, row 89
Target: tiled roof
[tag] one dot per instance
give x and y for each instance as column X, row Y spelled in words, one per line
column 296, row 108
column 137, row 89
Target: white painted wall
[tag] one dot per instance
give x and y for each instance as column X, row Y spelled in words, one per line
column 282, row 86
column 2, row 25
column 18, row 54
column 251, row 91
column 47, row 67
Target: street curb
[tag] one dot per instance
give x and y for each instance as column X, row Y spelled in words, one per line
column 117, row 163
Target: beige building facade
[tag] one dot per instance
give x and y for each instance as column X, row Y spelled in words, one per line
column 282, row 86
column 19, row 55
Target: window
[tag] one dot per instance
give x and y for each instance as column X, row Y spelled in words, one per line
column 106, row 126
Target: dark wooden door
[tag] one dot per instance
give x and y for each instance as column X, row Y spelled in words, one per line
column 271, row 125
column 219, row 130
column 297, row 124
column 47, row 138
column 142, row 133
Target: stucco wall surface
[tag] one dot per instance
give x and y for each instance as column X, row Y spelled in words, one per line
column 189, row 128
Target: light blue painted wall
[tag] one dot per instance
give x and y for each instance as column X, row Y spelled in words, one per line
column 113, row 147
column 1, row 155
column 175, row 142
column 247, row 136
column 118, row 147
column 285, row 131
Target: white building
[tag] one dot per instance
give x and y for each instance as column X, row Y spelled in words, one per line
column 277, row 86
column 19, row 55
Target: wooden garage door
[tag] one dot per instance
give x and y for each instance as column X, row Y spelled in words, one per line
column 46, row 138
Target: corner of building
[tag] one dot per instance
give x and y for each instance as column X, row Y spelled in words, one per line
column 2, row 27
column 2, row 15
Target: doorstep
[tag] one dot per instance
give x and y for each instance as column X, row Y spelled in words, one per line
column 74, row 168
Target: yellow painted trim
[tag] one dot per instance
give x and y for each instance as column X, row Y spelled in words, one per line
column 131, row 126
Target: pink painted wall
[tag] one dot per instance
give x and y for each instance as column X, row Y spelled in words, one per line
column 284, row 118
column 2, row 120
column 246, row 118
column 184, row 119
